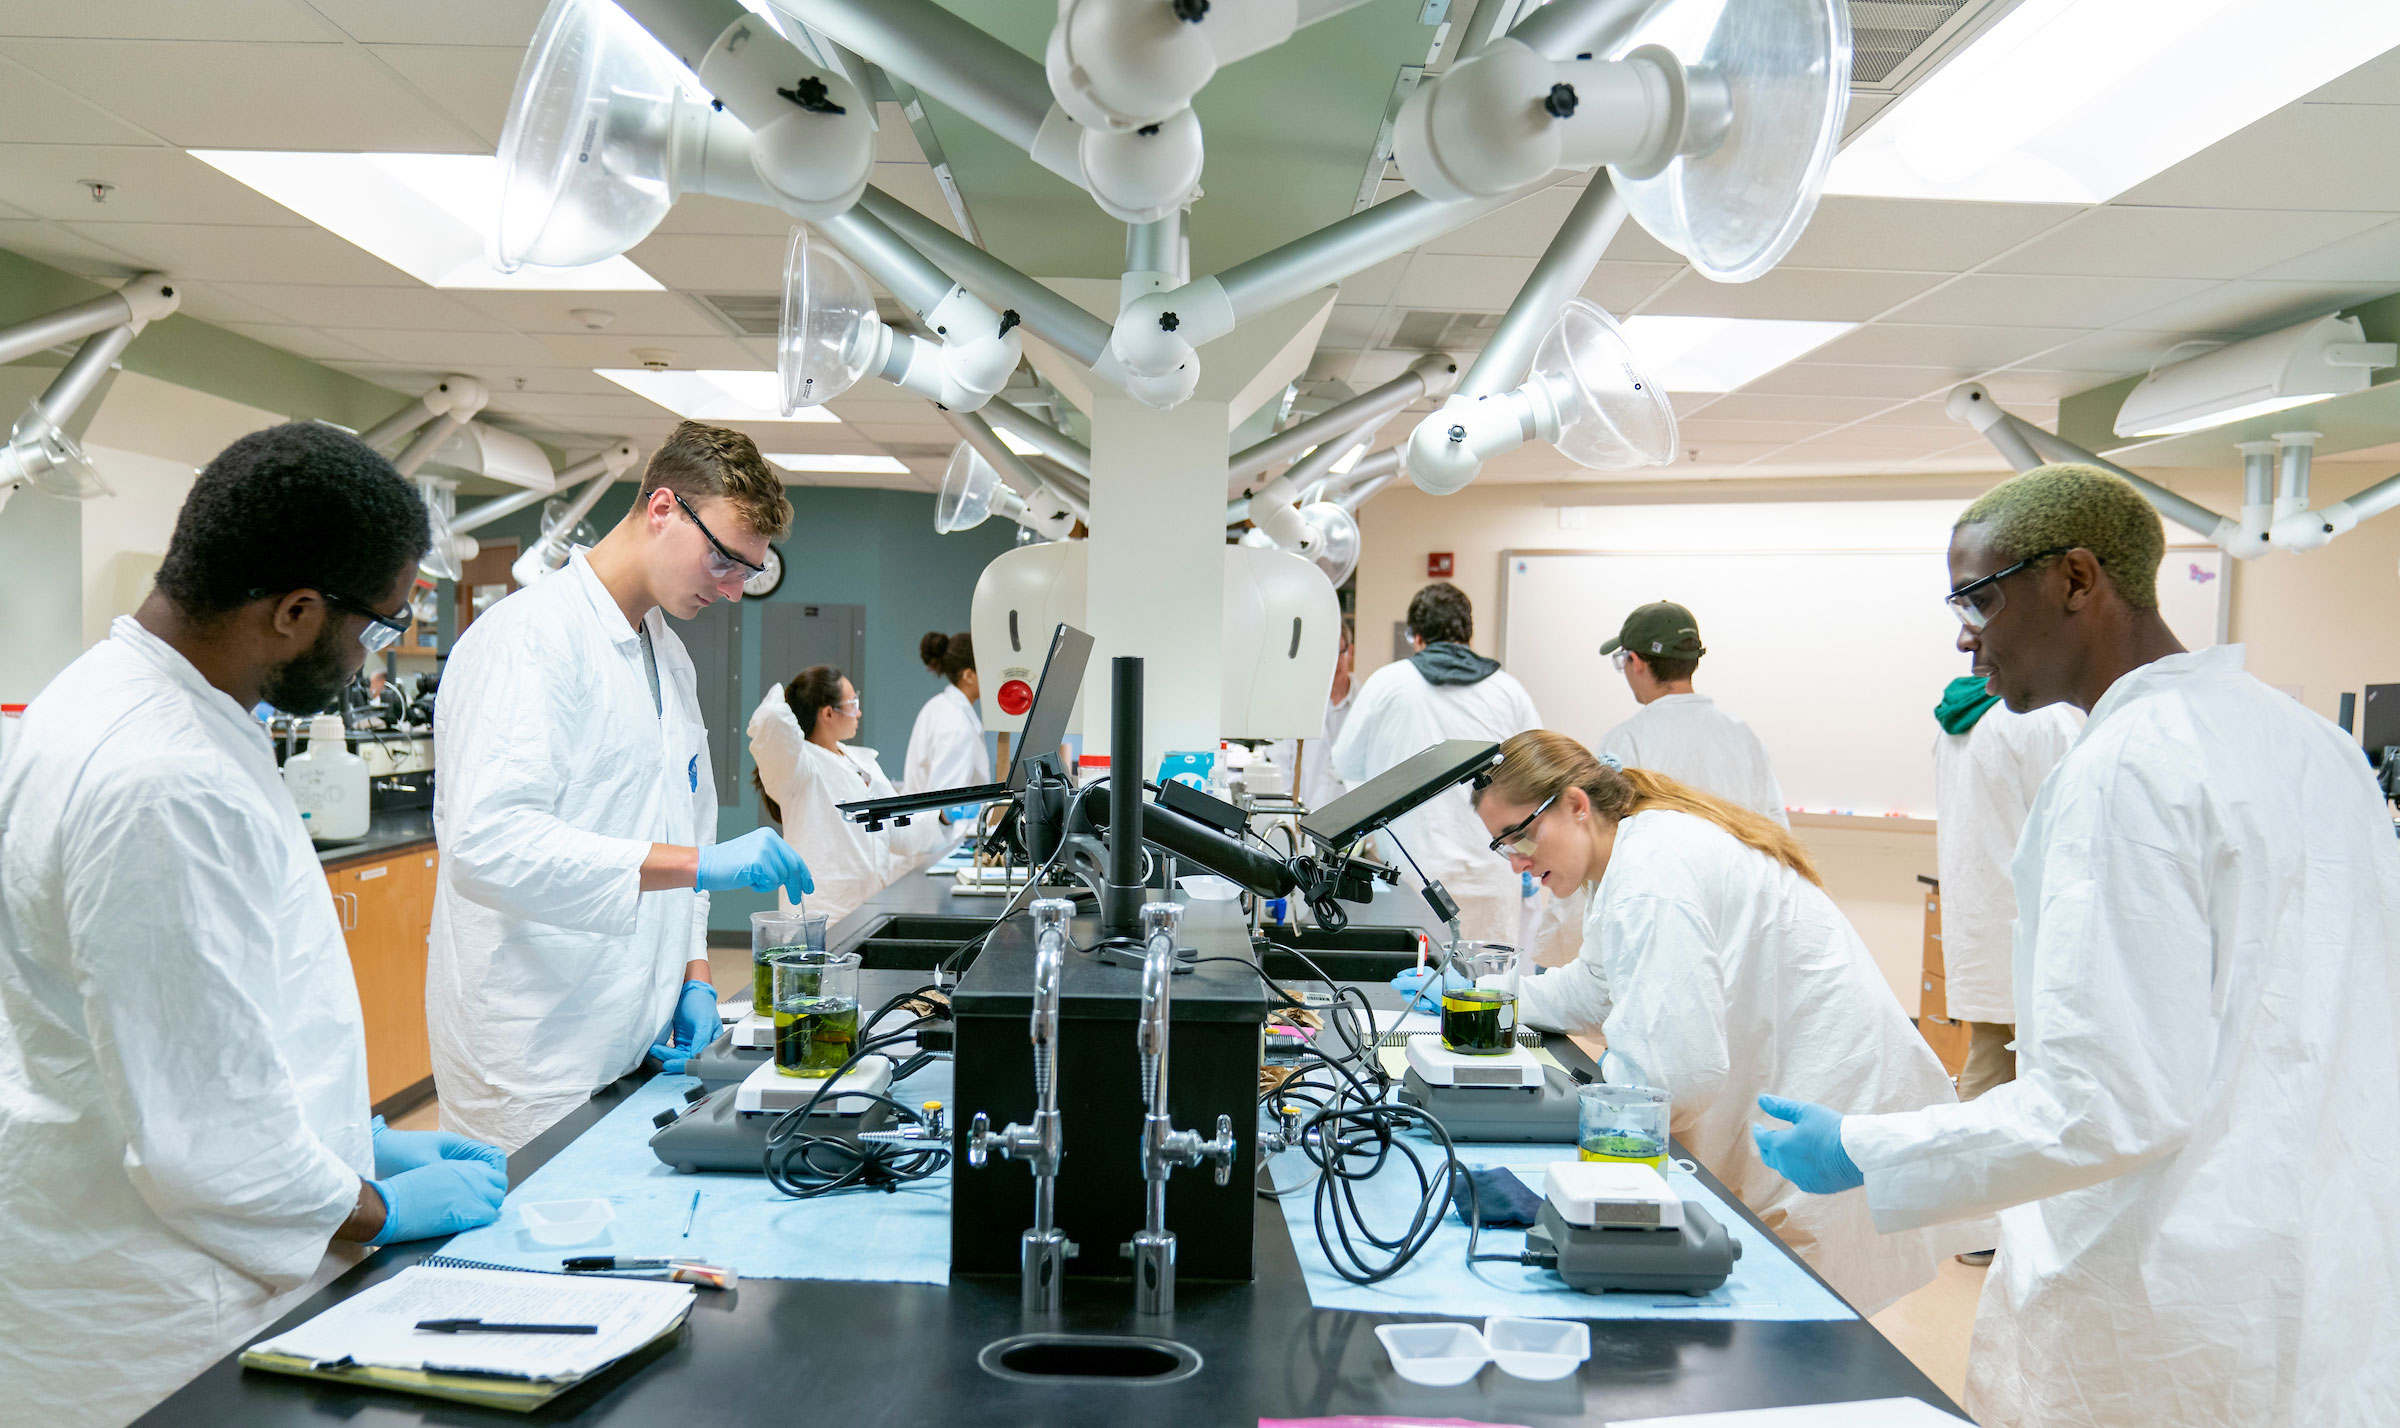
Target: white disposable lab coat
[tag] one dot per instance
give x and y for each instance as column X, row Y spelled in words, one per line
column 946, row 749
column 2195, row 1165
column 183, row 1075
column 1983, row 786
column 1720, row 974
column 849, row 863
column 1690, row 740
column 1400, row 714
column 551, row 973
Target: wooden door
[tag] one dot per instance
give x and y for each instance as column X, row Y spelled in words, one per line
column 483, row 581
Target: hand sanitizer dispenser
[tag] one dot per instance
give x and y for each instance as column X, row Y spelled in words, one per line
column 329, row 784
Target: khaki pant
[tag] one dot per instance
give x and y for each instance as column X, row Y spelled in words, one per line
column 1989, row 1061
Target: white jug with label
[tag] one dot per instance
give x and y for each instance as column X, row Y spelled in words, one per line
column 329, row 784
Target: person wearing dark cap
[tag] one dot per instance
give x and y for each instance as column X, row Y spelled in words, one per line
column 1677, row 732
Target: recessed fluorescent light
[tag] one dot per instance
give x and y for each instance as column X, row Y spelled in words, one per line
column 2076, row 101
column 1018, row 444
column 429, row 215
column 837, row 462
column 1721, row 354
column 712, row 396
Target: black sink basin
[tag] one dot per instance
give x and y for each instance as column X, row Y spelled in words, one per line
column 913, row 942
column 1354, row 954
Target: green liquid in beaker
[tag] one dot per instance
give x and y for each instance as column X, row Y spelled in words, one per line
column 1625, row 1146
column 814, row 1037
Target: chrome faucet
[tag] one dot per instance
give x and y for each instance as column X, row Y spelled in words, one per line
column 1046, row 1247
column 1163, row 1146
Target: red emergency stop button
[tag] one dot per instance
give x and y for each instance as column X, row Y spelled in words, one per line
column 1016, row 697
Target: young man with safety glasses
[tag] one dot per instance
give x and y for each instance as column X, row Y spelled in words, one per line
column 576, row 808
column 186, row 1147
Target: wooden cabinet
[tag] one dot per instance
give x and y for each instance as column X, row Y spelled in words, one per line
column 1947, row 1038
column 386, row 907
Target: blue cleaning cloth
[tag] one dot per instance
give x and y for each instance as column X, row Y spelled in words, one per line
column 902, row 1237
column 1504, row 1201
column 1767, row 1283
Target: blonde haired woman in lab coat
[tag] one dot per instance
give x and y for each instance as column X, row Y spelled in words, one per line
column 1718, row 968
column 805, row 768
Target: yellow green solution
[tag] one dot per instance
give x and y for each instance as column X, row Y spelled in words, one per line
column 762, row 979
column 815, row 1035
column 1632, row 1147
column 1479, row 1021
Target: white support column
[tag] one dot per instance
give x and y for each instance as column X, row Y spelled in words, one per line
column 1156, row 578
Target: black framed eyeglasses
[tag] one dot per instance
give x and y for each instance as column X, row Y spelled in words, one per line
column 382, row 631
column 724, row 562
column 1978, row 600
column 1512, row 839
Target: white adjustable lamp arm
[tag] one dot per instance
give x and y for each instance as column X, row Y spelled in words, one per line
column 1275, row 507
column 614, row 463
column 145, row 299
column 452, row 404
column 2026, row 446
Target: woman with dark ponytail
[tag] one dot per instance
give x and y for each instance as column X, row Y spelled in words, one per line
column 1718, row 968
column 805, row 766
column 946, row 748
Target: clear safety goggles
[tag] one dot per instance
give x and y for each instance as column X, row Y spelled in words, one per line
column 1516, row 838
column 1977, row 601
column 723, row 564
column 1617, row 658
column 381, row 631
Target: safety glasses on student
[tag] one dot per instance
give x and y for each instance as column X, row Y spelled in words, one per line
column 1513, row 839
column 1978, row 600
column 722, row 563
column 381, row 632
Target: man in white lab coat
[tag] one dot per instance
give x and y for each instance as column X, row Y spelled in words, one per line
column 1677, row 732
column 576, row 808
column 2195, row 1164
column 1444, row 691
column 185, row 1142
column 1987, row 764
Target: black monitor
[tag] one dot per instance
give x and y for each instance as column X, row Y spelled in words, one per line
column 1414, row 780
column 2379, row 721
column 1054, row 696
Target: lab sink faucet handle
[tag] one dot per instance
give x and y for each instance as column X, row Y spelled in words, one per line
column 1152, row 1249
column 1040, row 1145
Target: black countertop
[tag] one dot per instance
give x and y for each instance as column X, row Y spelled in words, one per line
column 390, row 830
column 773, row 1351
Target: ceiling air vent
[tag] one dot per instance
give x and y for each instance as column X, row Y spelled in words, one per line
column 1895, row 43
column 1421, row 330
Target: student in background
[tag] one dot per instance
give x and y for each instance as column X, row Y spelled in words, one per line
column 1677, row 732
column 806, row 767
column 1443, row 691
column 946, row 746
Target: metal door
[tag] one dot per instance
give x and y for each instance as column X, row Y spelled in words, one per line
column 796, row 636
column 714, row 641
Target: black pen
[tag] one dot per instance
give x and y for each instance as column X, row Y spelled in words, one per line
column 483, row 1326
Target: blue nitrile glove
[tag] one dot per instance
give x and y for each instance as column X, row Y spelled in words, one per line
column 438, row 1199
column 396, row 1151
column 961, row 812
column 758, row 860
column 1422, row 992
column 1810, row 1154
column 693, row 1028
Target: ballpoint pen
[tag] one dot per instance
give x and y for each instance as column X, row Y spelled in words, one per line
column 482, row 1326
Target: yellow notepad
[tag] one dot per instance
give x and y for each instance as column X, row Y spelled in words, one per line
column 371, row 1338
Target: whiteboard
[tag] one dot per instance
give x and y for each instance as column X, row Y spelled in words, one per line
column 1835, row 657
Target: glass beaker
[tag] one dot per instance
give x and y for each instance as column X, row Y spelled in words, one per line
column 1623, row 1123
column 816, row 1011
column 1479, row 1020
column 776, row 932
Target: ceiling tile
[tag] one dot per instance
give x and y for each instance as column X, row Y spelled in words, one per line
column 2375, row 82
column 1705, row 431
column 446, row 349
column 148, row 184
column 165, row 20
column 236, row 253
column 2252, row 305
column 1830, row 379
column 704, row 214
column 895, row 142
column 1376, row 284
column 506, row 23
column 2121, row 350
column 35, row 111
column 615, row 349
column 708, row 263
column 2126, row 241
column 1895, row 344
column 1350, row 325
column 472, row 83
column 2369, row 257
column 1997, row 300
column 649, row 314
column 1622, row 287
column 60, row 247
column 1458, row 282
column 1929, row 412
column 406, row 303
column 2305, row 156
column 2016, row 386
column 301, row 341
column 219, row 303
column 1917, row 234
column 1761, row 406
column 1811, row 294
column 316, row 96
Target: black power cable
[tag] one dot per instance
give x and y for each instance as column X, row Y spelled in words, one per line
column 804, row 1164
